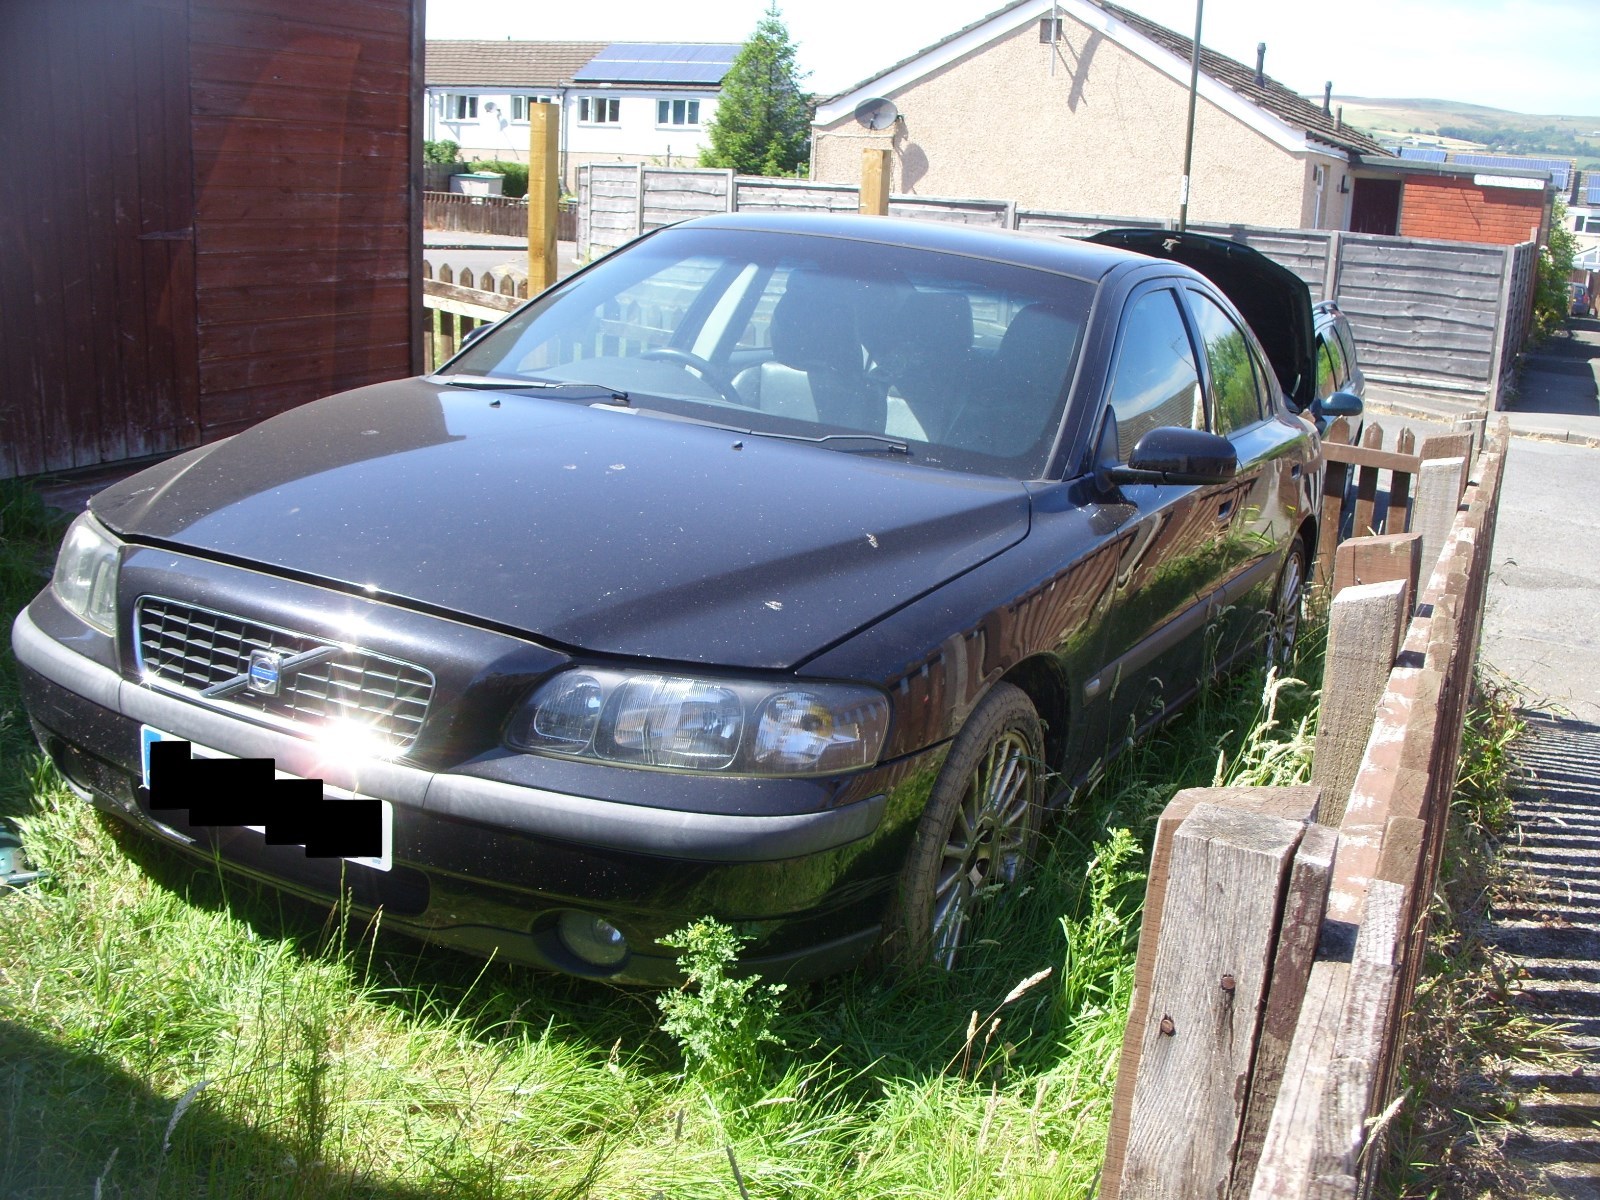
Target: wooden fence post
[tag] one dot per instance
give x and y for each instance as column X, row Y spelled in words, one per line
column 1438, row 498
column 875, row 182
column 1365, row 623
column 1219, row 889
column 544, row 193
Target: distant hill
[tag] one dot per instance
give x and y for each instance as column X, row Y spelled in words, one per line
column 1463, row 126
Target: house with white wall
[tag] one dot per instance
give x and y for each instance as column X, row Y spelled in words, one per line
column 621, row 102
column 1081, row 106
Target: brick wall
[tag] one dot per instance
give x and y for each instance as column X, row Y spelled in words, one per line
column 1455, row 209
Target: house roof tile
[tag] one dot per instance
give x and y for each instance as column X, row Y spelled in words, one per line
column 1271, row 96
column 506, row 63
column 1285, row 104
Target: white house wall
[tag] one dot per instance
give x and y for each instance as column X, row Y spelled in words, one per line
column 634, row 138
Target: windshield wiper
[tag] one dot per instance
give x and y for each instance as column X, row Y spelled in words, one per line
column 495, row 383
column 860, row 443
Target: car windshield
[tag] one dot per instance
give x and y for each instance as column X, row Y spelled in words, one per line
column 954, row 361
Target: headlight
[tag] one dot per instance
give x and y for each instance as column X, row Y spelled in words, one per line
column 694, row 723
column 86, row 573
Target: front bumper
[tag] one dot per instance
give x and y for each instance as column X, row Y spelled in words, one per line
column 487, row 865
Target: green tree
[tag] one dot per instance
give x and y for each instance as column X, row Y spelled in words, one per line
column 1550, row 297
column 763, row 119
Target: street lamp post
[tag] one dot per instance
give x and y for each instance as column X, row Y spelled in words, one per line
column 1188, row 141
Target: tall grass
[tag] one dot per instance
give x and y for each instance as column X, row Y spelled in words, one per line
column 163, row 1034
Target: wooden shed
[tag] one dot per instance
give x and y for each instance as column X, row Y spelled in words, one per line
column 209, row 213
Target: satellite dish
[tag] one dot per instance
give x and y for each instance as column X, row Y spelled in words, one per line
column 877, row 114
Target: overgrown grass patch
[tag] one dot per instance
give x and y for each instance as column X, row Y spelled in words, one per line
column 166, row 1034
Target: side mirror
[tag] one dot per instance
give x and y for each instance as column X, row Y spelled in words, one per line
column 1340, row 404
column 1172, row 454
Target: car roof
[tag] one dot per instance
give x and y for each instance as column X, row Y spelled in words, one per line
column 1063, row 255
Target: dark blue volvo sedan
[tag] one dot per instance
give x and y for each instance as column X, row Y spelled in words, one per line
column 785, row 570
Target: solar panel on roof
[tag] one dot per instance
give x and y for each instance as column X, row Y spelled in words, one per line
column 1591, row 194
column 1422, row 154
column 1560, row 169
column 660, row 62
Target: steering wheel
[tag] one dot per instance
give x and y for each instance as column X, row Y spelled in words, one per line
column 722, row 384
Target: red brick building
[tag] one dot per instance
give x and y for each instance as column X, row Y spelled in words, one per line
column 1451, row 202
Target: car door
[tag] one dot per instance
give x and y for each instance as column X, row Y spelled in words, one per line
column 1243, row 406
column 1168, row 572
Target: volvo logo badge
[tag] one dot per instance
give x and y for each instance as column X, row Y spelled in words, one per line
column 265, row 676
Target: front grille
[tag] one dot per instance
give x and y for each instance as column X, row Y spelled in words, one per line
column 195, row 650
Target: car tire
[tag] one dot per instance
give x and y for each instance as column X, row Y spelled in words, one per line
column 1288, row 604
column 977, row 833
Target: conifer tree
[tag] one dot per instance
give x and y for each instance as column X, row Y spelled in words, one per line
column 763, row 120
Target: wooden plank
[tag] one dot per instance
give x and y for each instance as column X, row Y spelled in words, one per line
column 1439, row 486
column 1400, row 487
column 1447, row 445
column 1284, row 1169
column 1377, row 559
column 469, row 302
column 1284, row 806
column 1305, row 899
column 1364, row 629
column 1359, row 1044
column 1367, row 485
column 166, row 209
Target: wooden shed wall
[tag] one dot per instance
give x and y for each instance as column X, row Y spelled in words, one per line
column 303, row 169
column 97, row 322
column 212, row 215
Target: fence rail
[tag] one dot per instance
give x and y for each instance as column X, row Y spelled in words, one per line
column 503, row 215
column 1264, row 1035
column 453, row 306
column 1444, row 318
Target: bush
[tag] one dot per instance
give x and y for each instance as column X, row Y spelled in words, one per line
column 1550, row 298
column 440, row 152
column 516, row 174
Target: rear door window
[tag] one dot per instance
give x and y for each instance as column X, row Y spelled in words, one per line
column 1236, row 384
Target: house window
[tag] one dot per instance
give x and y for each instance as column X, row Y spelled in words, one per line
column 460, row 108
column 1049, row 30
column 519, row 106
column 599, row 110
column 677, row 112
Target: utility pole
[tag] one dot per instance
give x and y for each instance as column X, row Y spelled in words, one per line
column 1188, row 141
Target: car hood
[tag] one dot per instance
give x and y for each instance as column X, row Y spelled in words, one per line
column 596, row 529
column 1273, row 299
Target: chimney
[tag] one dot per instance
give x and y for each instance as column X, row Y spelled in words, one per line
column 1327, row 97
column 1338, row 122
column 1261, row 64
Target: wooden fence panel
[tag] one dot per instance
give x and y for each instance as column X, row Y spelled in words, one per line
column 782, row 195
column 1440, row 317
column 677, row 195
column 1425, row 314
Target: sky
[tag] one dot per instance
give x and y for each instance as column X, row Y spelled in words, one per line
column 1529, row 56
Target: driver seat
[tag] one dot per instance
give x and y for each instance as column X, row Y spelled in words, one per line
column 817, row 370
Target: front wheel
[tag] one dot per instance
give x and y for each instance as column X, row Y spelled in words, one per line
column 1288, row 605
column 977, row 834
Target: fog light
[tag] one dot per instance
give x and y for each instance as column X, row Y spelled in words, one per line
column 592, row 939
